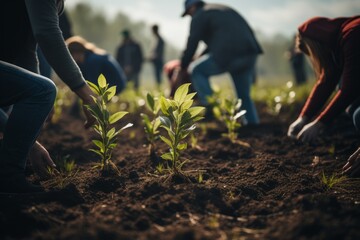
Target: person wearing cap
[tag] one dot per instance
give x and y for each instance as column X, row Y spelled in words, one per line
column 130, row 57
column 231, row 47
column 27, row 24
column 334, row 50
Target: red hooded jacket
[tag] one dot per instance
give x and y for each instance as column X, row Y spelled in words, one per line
column 342, row 37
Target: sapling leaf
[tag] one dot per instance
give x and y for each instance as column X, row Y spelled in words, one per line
column 165, row 121
column 110, row 93
column 181, row 92
column 187, row 104
column 102, row 81
column 182, row 146
column 167, row 141
column 150, row 102
column 167, row 156
column 116, row 117
column 99, row 144
column 194, row 111
column 190, row 96
column 93, row 88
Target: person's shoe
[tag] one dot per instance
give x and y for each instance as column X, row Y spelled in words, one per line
column 18, row 184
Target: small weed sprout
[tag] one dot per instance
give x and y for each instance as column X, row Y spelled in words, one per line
column 332, row 181
column 178, row 120
column 104, row 121
column 151, row 124
column 64, row 174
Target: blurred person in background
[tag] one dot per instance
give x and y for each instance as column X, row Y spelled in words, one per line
column 94, row 61
column 27, row 24
column 157, row 54
column 334, row 50
column 231, row 47
column 297, row 62
column 130, row 57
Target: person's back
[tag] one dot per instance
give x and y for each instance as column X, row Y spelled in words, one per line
column 96, row 64
column 224, row 31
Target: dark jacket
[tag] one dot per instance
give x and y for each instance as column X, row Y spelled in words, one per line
column 342, row 37
column 224, row 31
column 96, row 64
column 130, row 54
column 23, row 24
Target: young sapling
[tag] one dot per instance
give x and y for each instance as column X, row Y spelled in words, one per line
column 178, row 120
column 151, row 126
column 229, row 112
column 107, row 134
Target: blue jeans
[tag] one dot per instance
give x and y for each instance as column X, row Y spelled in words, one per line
column 32, row 97
column 242, row 73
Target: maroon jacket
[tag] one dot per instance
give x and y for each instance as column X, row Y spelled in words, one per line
column 342, row 37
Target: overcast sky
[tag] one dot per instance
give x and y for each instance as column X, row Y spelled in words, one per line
column 267, row 16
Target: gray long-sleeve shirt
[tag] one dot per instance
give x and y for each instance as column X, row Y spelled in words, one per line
column 224, row 31
column 25, row 23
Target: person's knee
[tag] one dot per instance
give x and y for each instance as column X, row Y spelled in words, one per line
column 50, row 91
column 356, row 118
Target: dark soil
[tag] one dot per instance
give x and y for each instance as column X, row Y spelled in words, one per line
column 270, row 190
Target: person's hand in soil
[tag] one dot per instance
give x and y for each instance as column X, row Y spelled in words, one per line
column 40, row 160
column 352, row 167
column 296, row 126
column 310, row 131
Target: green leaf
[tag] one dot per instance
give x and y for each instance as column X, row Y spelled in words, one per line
column 164, row 106
column 182, row 146
column 166, row 140
column 186, row 105
column 93, row 87
column 99, row 144
column 116, row 117
column 194, row 111
column 151, row 102
column 110, row 92
column 181, row 93
column 110, row 134
column 102, row 81
column 167, row 156
column 165, row 121
column 156, row 124
column 190, row 96
column 97, row 152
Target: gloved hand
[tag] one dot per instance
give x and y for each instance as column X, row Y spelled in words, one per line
column 296, row 126
column 310, row 131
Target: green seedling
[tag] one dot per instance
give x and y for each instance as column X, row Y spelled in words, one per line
column 178, row 120
column 332, row 181
column 229, row 112
column 63, row 174
column 108, row 134
column 151, row 125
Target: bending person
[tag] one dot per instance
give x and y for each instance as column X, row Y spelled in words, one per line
column 26, row 24
column 334, row 49
column 231, row 47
